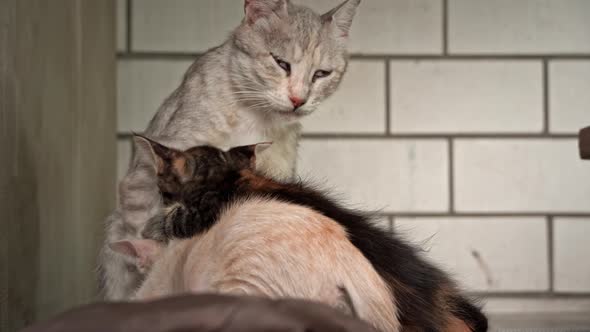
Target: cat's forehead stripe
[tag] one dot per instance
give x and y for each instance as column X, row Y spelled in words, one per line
column 307, row 28
column 297, row 53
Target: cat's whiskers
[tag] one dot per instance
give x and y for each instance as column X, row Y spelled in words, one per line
column 246, row 83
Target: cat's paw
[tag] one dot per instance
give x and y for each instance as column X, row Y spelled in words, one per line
column 174, row 213
column 160, row 227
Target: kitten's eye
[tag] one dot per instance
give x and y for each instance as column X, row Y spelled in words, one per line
column 283, row 64
column 321, row 74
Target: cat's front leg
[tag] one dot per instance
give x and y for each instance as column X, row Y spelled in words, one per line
column 178, row 221
column 159, row 228
column 185, row 221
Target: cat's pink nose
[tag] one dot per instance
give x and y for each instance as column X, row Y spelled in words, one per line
column 297, row 102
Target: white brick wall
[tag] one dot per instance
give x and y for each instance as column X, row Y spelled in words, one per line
column 521, row 176
column 385, row 26
column 572, row 250
column 182, row 25
column 408, row 176
column 488, row 254
column 355, row 108
column 569, row 95
column 143, row 86
column 519, row 27
column 468, row 96
column 467, row 141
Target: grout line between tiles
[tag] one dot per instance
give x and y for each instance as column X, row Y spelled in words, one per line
column 388, row 113
column 550, row 253
column 445, row 26
column 546, row 110
column 451, row 164
column 129, row 7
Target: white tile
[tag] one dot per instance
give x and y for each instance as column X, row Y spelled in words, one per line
column 523, row 26
column 121, row 25
column 382, row 26
column 354, row 108
column 569, row 96
column 485, row 254
column 401, row 176
column 142, row 87
column 466, row 96
column 520, row 175
column 572, row 254
column 124, row 153
column 392, row 26
column 183, row 25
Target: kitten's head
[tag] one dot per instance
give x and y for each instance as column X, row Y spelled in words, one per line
column 289, row 59
column 182, row 173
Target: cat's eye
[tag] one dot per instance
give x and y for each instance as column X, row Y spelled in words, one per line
column 321, row 74
column 283, row 64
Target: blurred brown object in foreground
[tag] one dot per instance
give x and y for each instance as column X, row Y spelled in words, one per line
column 585, row 143
column 203, row 313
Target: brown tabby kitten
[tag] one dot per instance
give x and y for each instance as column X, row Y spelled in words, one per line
column 198, row 184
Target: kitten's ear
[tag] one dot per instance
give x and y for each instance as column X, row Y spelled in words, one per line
column 257, row 9
column 247, row 154
column 142, row 251
column 340, row 18
column 162, row 158
column 145, row 154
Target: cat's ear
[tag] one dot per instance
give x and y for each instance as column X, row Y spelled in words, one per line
column 257, row 9
column 340, row 18
column 246, row 155
column 143, row 252
column 162, row 158
column 145, row 154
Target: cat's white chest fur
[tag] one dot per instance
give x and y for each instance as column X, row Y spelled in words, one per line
column 249, row 130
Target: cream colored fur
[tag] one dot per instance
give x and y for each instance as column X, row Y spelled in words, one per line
column 274, row 249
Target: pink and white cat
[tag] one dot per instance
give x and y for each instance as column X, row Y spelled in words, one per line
column 271, row 249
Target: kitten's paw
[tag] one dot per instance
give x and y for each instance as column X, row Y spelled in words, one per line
column 160, row 227
column 175, row 213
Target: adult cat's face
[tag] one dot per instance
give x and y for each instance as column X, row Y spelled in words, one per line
column 288, row 58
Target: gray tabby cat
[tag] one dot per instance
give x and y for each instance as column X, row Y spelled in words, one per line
column 276, row 67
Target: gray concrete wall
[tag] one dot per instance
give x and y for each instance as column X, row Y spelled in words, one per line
column 57, row 152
